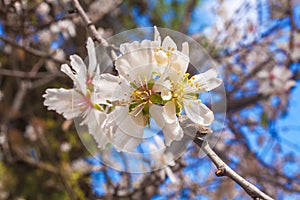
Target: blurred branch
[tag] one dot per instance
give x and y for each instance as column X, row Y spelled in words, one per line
column 39, row 164
column 61, row 173
column 32, row 51
column 89, row 23
column 187, row 17
column 31, row 74
column 224, row 170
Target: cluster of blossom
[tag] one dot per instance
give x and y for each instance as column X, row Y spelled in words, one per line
column 152, row 82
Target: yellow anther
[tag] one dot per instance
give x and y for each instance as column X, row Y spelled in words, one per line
column 189, row 81
column 186, row 75
column 193, row 78
column 199, row 101
column 199, row 88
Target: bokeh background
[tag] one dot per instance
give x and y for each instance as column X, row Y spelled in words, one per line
column 256, row 47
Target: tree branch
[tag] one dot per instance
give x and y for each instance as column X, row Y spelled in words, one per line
column 89, row 23
column 32, row 51
column 225, row 170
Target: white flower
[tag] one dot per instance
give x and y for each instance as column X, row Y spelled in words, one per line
column 137, row 90
column 66, row 27
column 137, row 100
column 277, row 81
column 79, row 101
column 152, row 84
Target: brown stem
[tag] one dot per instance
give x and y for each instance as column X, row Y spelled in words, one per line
column 224, row 170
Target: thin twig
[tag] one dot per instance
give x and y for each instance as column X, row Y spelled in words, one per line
column 224, row 170
column 187, row 17
column 89, row 23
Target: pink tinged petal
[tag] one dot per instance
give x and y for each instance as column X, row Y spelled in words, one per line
column 168, row 44
column 95, row 122
column 165, row 117
column 198, row 112
column 92, row 56
column 157, row 37
column 208, row 80
column 67, row 102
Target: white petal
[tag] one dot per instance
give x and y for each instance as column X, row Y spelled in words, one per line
column 171, row 175
column 64, row 101
column 166, row 95
column 165, row 117
column 263, row 74
column 168, row 43
column 157, row 35
column 78, row 65
column 179, row 67
column 198, row 112
column 161, row 58
column 207, row 80
column 78, row 81
column 95, row 127
column 185, row 48
column 265, row 88
column 129, row 47
column 128, row 134
column 111, row 88
column 289, row 84
column 92, row 56
column 136, row 65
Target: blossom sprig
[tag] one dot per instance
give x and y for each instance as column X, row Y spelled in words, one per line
column 153, row 83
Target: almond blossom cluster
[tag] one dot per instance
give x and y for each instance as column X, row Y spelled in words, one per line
column 152, row 85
